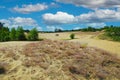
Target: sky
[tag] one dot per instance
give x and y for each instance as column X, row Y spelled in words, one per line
column 47, row 15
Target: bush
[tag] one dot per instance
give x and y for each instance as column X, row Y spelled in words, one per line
column 13, row 34
column 20, row 34
column 113, row 32
column 72, row 36
column 33, row 35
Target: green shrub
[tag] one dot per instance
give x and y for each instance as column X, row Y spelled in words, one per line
column 72, row 36
column 113, row 33
column 33, row 35
column 20, row 34
column 13, row 34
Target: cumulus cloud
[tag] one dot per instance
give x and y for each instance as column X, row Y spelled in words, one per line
column 58, row 18
column 39, row 28
column 52, row 28
column 7, row 22
column 30, row 8
column 93, row 3
column 23, row 21
column 98, row 16
column 19, row 21
column 98, row 25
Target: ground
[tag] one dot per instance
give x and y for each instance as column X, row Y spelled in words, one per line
column 89, row 38
column 58, row 57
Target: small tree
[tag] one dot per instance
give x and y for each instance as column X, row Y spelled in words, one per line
column 72, row 36
column 20, row 34
column 13, row 34
column 4, row 34
column 33, row 35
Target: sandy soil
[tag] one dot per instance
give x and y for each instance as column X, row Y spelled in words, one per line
column 86, row 38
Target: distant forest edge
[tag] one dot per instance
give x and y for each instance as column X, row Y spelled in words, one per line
column 17, row 34
column 109, row 33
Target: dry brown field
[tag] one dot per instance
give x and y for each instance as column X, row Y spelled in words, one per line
column 59, row 58
column 89, row 38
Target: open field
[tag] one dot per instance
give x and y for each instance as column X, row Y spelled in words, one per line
column 60, row 58
column 88, row 38
column 56, row 60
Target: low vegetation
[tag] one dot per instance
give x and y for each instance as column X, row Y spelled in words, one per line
column 72, row 36
column 33, row 35
column 113, row 33
column 58, row 60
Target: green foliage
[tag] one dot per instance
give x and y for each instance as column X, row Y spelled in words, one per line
column 113, row 32
column 4, row 34
column 17, row 34
column 13, row 34
column 89, row 29
column 1, row 25
column 33, row 35
column 20, row 34
column 58, row 30
column 72, row 36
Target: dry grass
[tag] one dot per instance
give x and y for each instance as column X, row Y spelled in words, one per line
column 89, row 38
column 57, row 60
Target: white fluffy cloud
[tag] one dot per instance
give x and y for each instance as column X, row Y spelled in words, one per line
column 98, row 16
column 30, row 8
column 58, row 18
column 19, row 21
column 7, row 22
column 93, row 3
column 23, row 21
column 98, row 25
column 52, row 28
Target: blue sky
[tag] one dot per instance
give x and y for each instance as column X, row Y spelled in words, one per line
column 47, row 15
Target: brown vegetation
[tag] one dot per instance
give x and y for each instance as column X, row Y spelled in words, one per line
column 58, row 60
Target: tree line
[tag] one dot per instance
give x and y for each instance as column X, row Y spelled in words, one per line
column 17, row 34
